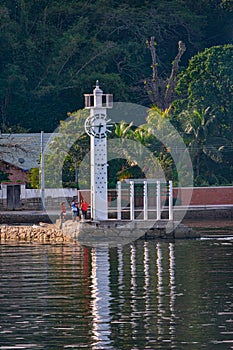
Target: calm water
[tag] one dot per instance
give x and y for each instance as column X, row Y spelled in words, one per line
column 145, row 295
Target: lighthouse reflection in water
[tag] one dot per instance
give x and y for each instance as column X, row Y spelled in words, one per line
column 143, row 295
column 100, row 293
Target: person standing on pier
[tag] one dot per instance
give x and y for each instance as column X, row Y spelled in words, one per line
column 84, row 207
column 63, row 211
column 75, row 210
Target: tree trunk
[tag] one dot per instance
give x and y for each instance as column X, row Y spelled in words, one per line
column 161, row 91
column 172, row 81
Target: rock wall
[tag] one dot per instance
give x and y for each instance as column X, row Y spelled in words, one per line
column 46, row 234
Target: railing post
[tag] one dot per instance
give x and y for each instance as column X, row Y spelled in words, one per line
column 170, row 202
column 158, row 200
column 145, row 200
column 118, row 200
column 42, row 185
column 131, row 200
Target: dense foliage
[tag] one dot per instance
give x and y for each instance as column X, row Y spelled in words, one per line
column 53, row 51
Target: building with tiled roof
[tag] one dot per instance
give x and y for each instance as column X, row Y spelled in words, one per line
column 19, row 153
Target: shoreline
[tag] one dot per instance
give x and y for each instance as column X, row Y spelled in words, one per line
column 180, row 213
column 41, row 227
column 69, row 234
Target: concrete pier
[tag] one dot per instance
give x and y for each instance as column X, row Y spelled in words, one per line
column 123, row 232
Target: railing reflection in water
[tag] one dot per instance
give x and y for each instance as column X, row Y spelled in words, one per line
column 133, row 295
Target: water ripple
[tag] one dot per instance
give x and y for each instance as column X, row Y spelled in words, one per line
column 145, row 295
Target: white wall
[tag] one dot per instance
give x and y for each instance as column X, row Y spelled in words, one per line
column 50, row 192
column 36, row 193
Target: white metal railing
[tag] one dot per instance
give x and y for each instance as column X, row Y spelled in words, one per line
column 145, row 208
column 122, row 194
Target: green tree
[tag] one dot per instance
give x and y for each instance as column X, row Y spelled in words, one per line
column 145, row 155
column 123, row 129
column 34, row 178
column 158, row 124
column 122, row 166
column 205, row 110
column 65, row 152
column 207, row 82
column 202, row 144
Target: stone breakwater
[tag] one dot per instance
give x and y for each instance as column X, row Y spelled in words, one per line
column 45, row 234
column 94, row 233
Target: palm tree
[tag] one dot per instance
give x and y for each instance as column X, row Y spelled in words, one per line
column 157, row 118
column 163, row 137
column 200, row 133
column 135, row 142
column 122, row 129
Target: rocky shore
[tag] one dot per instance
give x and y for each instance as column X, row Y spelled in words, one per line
column 43, row 234
column 86, row 233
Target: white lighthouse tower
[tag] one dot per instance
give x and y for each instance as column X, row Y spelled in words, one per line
column 97, row 126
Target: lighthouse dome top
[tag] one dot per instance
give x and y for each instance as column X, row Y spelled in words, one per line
column 97, row 89
column 97, row 99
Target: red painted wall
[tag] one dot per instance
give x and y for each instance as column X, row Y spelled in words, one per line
column 183, row 196
column 204, row 195
column 14, row 174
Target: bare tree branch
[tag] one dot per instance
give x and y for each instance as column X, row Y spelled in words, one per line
column 168, row 98
column 161, row 91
